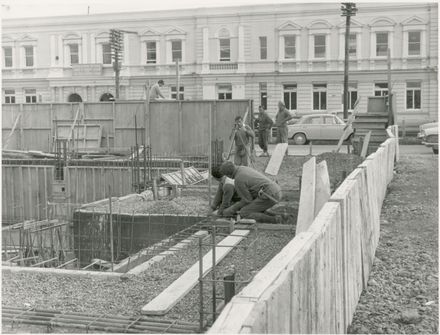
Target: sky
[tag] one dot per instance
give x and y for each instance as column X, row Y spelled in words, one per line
column 38, row 8
column 42, row 8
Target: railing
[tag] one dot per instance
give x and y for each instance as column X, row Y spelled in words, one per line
column 223, row 66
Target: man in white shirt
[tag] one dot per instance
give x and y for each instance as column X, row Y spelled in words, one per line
column 155, row 93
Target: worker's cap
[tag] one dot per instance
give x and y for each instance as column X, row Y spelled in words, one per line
column 227, row 168
column 281, row 104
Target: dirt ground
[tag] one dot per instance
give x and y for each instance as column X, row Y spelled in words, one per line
column 402, row 293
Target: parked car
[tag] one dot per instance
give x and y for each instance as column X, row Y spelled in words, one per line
column 429, row 136
column 426, row 126
column 318, row 127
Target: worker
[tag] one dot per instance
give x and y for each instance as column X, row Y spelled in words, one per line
column 257, row 193
column 244, row 139
column 281, row 119
column 155, row 92
column 225, row 195
column 265, row 124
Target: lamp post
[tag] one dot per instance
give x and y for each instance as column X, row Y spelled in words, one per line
column 348, row 10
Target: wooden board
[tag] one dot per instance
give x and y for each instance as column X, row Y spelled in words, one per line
column 306, row 210
column 276, row 159
column 191, row 176
column 365, row 145
column 322, row 187
column 84, row 135
column 182, row 285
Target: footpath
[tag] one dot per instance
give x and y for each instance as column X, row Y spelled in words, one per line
column 402, row 293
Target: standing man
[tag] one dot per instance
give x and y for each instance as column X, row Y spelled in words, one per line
column 226, row 195
column 265, row 124
column 281, row 119
column 244, row 138
column 257, row 193
column 155, row 92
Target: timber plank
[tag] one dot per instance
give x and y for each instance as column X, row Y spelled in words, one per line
column 306, row 210
column 276, row 159
column 230, row 321
column 322, row 186
column 181, row 286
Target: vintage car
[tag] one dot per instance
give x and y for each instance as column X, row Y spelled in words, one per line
column 429, row 134
column 318, row 127
column 425, row 126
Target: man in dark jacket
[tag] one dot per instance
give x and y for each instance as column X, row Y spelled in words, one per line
column 244, row 139
column 265, row 124
column 257, row 193
column 225, row 195
column 281, row 119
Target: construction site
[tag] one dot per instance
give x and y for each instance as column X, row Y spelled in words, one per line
column 105, row 214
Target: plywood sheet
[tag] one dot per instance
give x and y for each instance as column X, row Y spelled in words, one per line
column 276, row 159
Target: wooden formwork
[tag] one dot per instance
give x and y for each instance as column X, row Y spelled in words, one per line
column 314, row 283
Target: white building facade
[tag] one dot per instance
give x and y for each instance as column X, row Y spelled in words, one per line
column 290, row 52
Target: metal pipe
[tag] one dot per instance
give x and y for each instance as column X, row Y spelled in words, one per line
column 214, row 295
column 201, row 283
column 111, row 224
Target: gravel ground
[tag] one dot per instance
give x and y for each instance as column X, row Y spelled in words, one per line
column 127, row 297
column 402, row 292
column 97, row 296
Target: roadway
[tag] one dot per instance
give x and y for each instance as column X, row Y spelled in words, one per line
column 302, row 150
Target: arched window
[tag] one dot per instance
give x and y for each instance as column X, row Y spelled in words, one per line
column 107, row 97
column 74, row 98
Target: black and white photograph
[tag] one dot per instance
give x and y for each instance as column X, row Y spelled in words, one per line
column 219, row 167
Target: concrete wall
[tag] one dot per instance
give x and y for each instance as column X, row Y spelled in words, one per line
column 314, row 283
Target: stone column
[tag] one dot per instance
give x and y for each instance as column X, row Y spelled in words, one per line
column 205, row 58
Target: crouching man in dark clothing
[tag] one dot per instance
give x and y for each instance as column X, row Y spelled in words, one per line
column 226, row 195
column 257, row 193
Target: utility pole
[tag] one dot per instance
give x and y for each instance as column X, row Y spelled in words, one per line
column 391, row 120
column 116, row 44
column 178, row 80
column 348, row 10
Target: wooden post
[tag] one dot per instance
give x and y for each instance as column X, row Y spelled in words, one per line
column 209, row 154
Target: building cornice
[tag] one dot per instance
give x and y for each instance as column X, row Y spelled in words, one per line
column 303, row 9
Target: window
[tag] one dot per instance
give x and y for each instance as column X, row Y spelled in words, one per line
column 290, row 96
column 263, row 95
column 176, row 50
column 313, row 120
column 106, row 53
column 413, row 95
column 30, row 95
column 29, row 55
column 224, row 92
column 414, row 43
column 225, row 49
column 352, row 45
column 7, row 52
column 380, row 89
column 329, row 120
column 263, row 47
column 319, row 96
column 174, row 95
column 381, row 44
column 289, row 47
column 319, row 46
column 352, row 95
column 151, row 52
column 9, row 96
column 74, row 53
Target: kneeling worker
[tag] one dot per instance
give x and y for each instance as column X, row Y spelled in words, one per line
column 257, row 193
column 226, row 195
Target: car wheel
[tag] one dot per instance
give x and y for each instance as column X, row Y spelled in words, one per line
column 300, row 138
column 435, row 150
